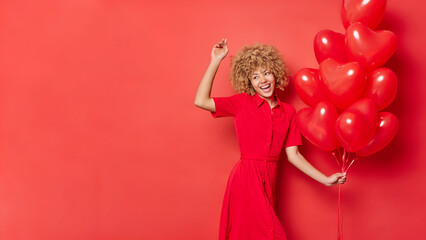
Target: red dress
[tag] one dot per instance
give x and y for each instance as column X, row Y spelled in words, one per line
column 248, row 210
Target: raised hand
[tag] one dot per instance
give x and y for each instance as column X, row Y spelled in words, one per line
column 219, row 50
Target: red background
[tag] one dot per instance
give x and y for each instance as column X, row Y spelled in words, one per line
column 100, row 139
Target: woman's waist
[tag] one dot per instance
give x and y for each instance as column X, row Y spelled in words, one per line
column 260, row 157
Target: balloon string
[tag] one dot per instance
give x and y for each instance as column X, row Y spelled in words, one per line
column 340, row 154
column 350, row 165
column 343, row 159
column 346, row 156
column 339, row 216
column 335, row 157
column 353, row 160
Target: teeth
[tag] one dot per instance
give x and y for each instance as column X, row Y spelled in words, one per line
column 265, row 86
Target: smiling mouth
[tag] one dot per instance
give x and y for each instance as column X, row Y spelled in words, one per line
column 266, row 87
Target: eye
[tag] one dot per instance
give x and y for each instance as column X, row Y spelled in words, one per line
column 267, row 73
column 255, row 77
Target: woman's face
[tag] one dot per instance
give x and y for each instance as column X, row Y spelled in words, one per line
column 263, row 82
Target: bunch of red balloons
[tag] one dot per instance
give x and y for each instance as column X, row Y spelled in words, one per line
column 350, row 89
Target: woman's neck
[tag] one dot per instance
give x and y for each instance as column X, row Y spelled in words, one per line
column 270, row 100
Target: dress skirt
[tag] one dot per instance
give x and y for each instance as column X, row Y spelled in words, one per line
column 249, row 201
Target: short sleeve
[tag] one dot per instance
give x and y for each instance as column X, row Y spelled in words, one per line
column 293, row 135
column 228, row 106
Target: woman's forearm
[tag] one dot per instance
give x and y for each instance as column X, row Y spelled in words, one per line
column 202, row 97
column 303, row 165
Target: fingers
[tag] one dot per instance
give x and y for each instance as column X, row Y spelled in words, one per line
column 338, row 178
column 222, row 43
column 340, row 175
column 342, row 179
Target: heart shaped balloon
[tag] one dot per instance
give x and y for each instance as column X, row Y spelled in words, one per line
column 356, row 126
column 386, row 128
column 381, row 86
column 343, row 84
column 368, row 12
column 370, row 48
column 317, row 125
column 329, row 44
column 308, row 86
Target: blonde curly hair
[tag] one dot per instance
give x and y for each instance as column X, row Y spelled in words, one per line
column 249, row 58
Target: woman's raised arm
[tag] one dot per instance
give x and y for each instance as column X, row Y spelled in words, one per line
column 202, row 97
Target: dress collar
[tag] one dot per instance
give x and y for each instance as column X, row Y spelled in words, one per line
column 259, row 100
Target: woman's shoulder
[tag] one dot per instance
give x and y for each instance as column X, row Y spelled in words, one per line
column 241, row 96
column 236, row 96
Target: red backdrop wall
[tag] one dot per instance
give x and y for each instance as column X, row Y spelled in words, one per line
column 99, row 137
